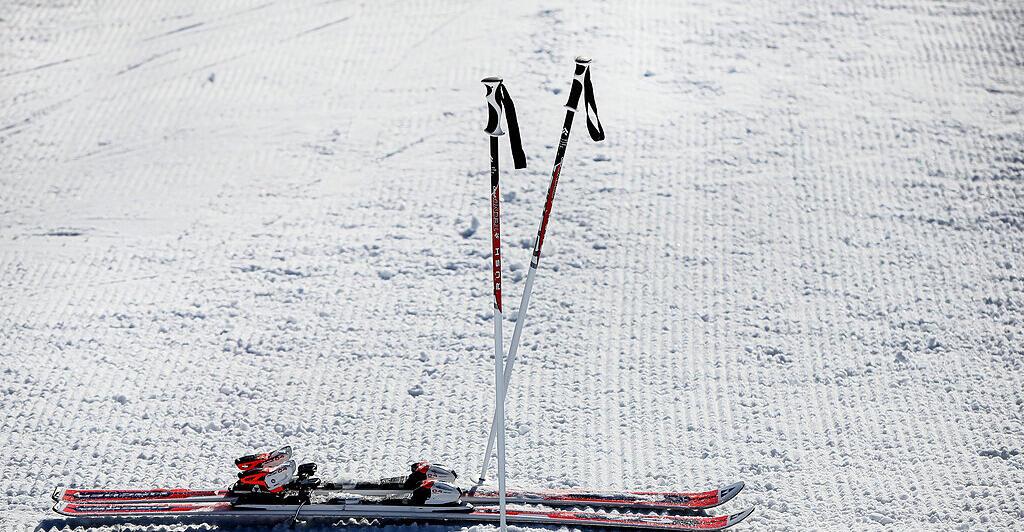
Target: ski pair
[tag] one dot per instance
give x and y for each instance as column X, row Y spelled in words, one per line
column 485, row 496
column 273, row 476
column 499, row 103
column 419, row 496
column 217, row 512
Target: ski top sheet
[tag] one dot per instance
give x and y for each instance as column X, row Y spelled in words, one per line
column 216, row 511
column 647, row 500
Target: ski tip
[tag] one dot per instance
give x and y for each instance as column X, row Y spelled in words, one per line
column 727, row 493
column 739, row 516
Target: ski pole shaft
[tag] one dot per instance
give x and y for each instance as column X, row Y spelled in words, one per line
column 496, row 236
column 493, row 129
column 499, row 375
column 579, row 83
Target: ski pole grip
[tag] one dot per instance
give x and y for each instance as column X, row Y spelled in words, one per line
column 494, row 107
column 582, row 67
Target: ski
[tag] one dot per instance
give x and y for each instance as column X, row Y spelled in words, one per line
column 340, row 509
column 646, row 500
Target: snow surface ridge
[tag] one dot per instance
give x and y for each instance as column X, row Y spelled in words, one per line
column 796, row 261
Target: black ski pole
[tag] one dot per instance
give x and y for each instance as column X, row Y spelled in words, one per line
column 499, row 103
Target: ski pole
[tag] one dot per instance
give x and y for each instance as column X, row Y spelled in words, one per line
column 581, row 88
column 497, row 101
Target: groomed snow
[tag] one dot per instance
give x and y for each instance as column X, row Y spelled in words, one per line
column 796, row 261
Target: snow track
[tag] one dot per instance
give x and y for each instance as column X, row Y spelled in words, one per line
column 796, row 260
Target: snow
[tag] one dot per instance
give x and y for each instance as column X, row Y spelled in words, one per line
column 795, row 261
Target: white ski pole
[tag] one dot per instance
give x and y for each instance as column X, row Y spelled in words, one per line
column 581, row 87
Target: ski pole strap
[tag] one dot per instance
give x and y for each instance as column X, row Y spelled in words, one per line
column 499, row 102
column 582, row 86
